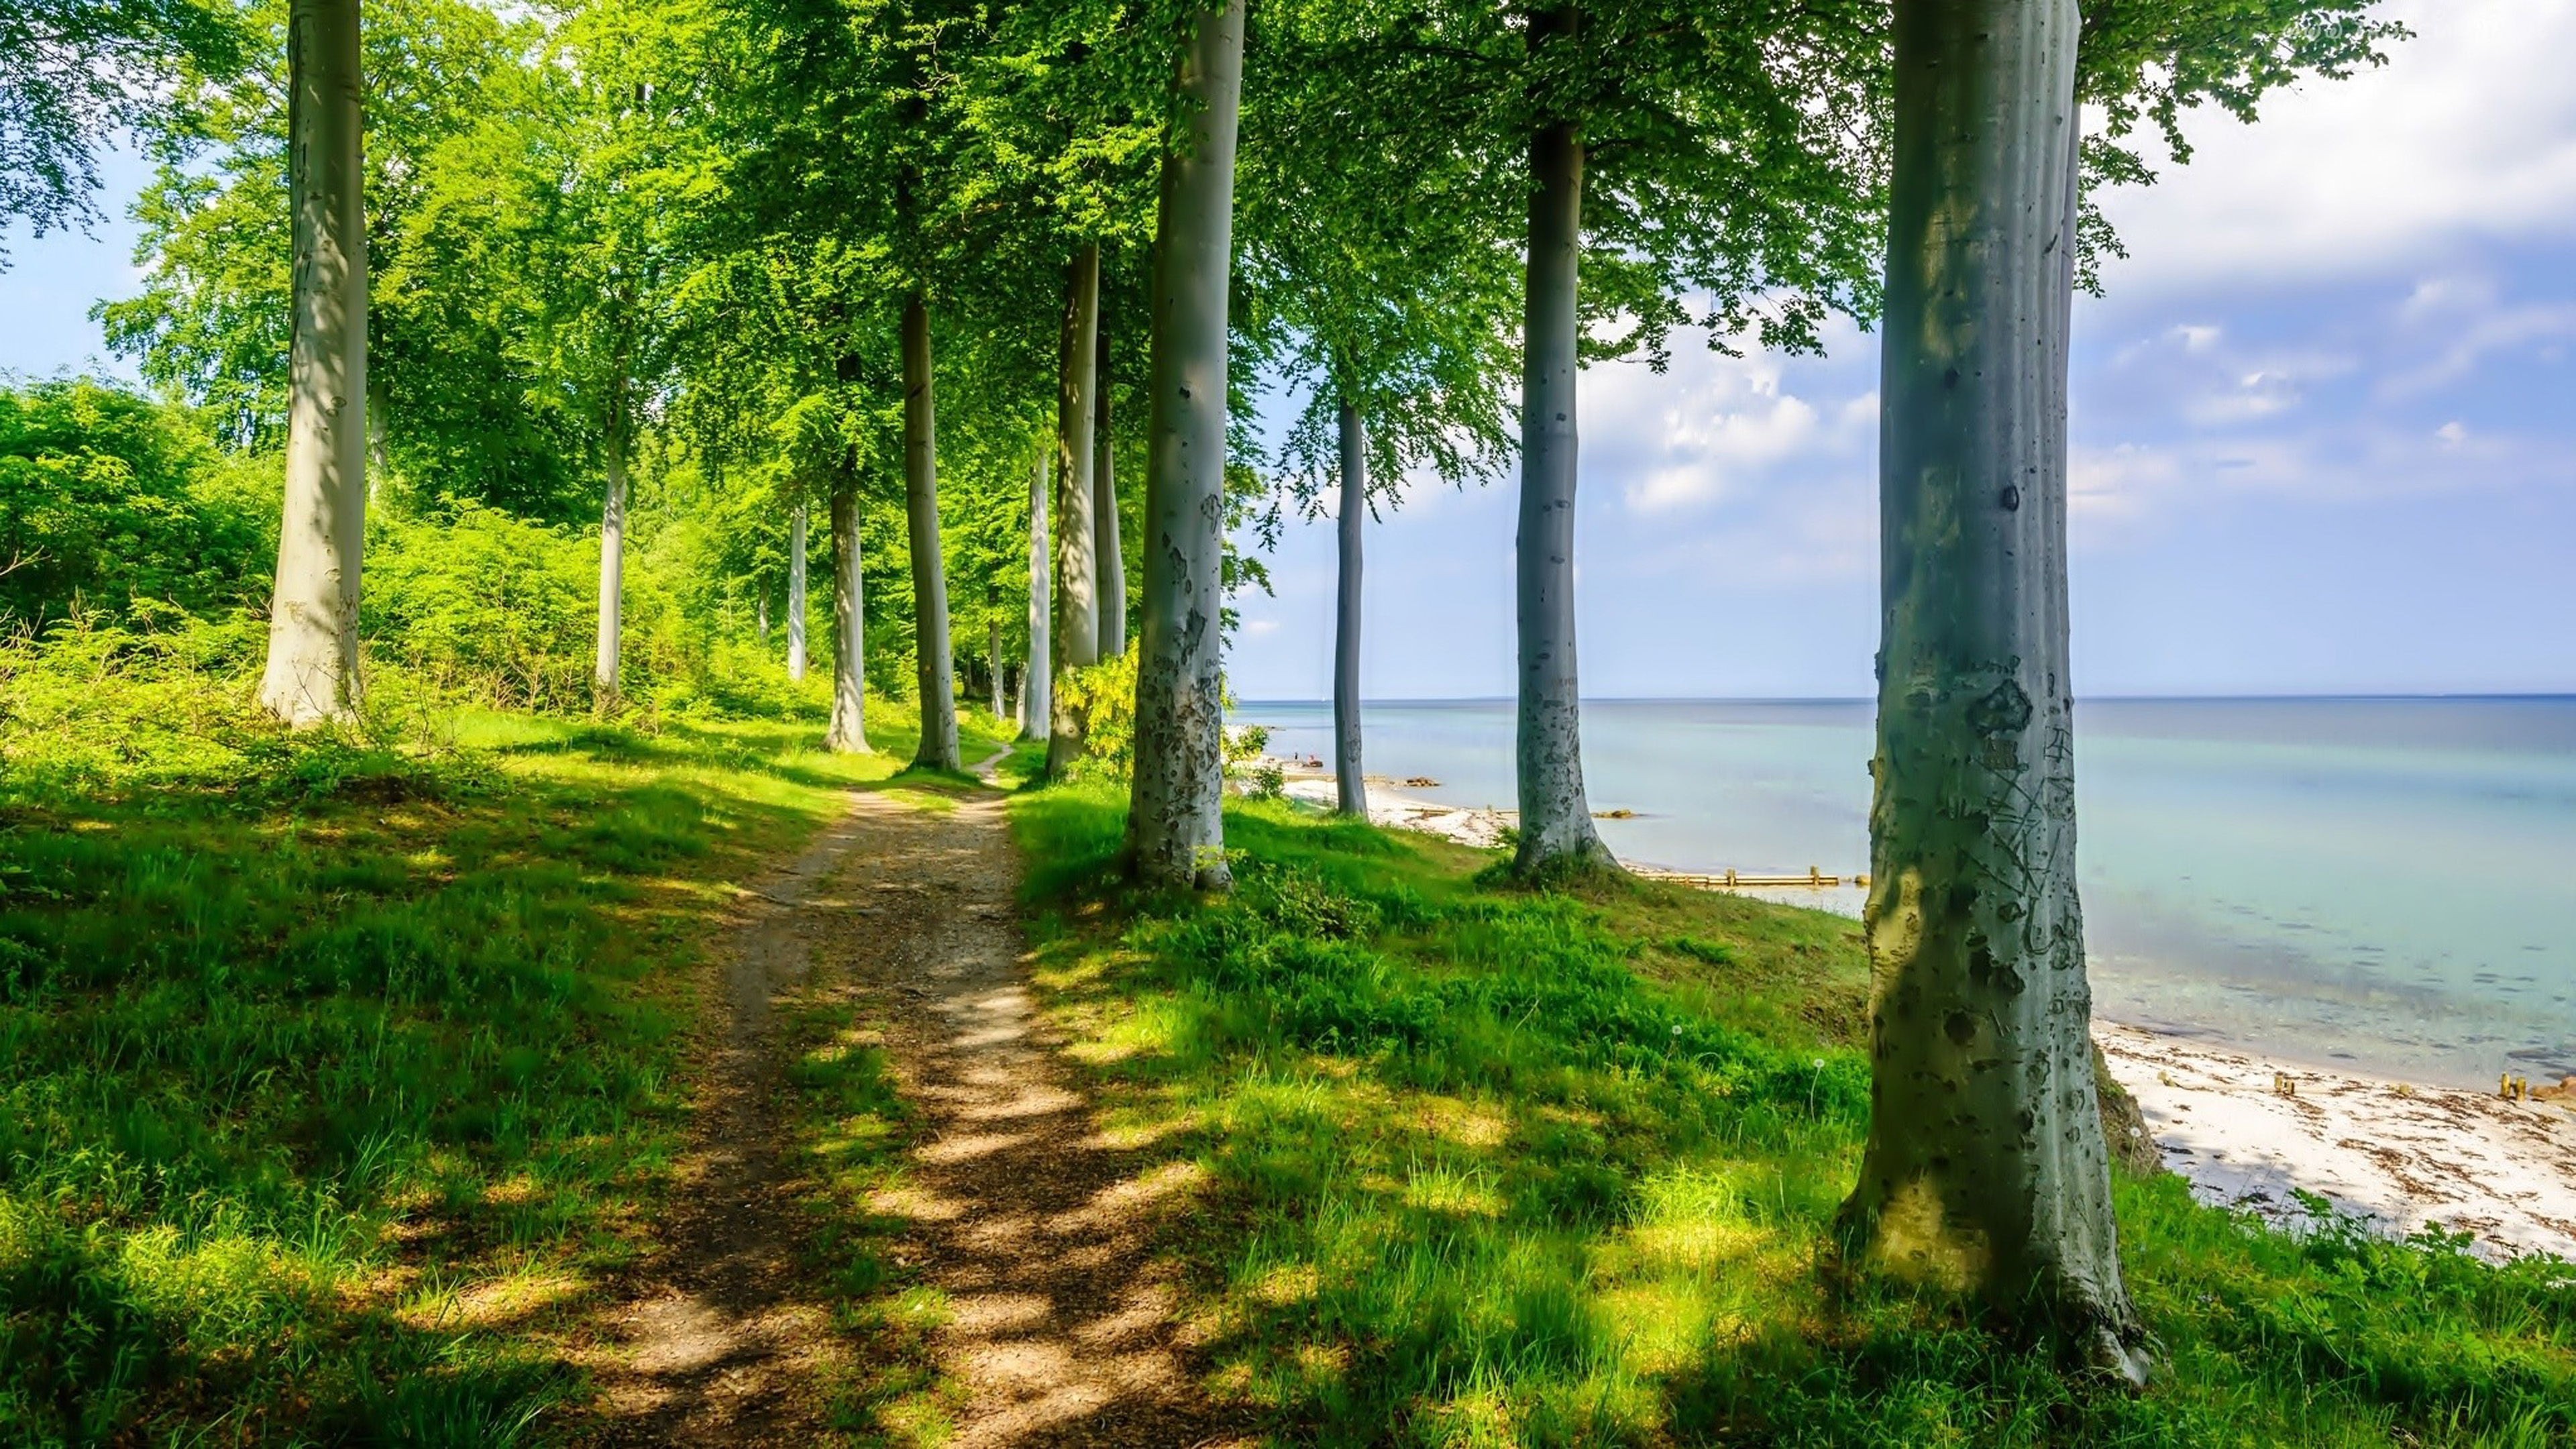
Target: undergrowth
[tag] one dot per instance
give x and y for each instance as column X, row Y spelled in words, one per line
column 1488, row 1166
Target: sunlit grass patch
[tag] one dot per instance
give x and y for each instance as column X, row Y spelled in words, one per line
column 330, row 1110
column 1492, row 1167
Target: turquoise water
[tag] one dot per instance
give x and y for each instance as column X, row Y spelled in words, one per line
column 2388, row 885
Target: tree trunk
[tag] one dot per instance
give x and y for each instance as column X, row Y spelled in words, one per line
column 312, row 670
column 1104, row 515
column 849, row 731
column 796, row 593
column 1175, row 824
column 1985, row 1170
column 760, row 615
column 993, row 656
column 1350, row 787
column 612, row 571
column 1077, row 599
column 1034, row 706
column 1556, row 819
column 929, row 573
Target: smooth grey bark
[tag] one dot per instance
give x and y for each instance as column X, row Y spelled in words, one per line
column 1034, row 706
column 1077, row 597
column 796, row 593
column 1175, row 824
column 612, row 570
column 1985, row 1170
column 1108, row 550
column 760, row 613
column 1350, row 787
column 993, row 657
column 1556, row 818
column 929, row 572
column 312, row 668
column 849, row 731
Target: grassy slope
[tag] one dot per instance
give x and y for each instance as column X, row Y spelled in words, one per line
column 1483, row 1167
column 335, row 1093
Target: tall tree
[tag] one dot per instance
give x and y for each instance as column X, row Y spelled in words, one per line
column 1724, row 151
column 1108, row 550
column 938, row 749
column 796, row 591
column 1175, row 825
column 1985, row 1166
column 1985, row 1169
column 1076, row 634
column 848, row 732
column 1378, row 274
column 312, row 670
column 1036, row 709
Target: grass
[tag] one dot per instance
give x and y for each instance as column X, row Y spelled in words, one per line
column 1486, row 1167
column 343, row 1076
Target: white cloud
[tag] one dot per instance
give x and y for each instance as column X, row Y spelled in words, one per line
column 2114, row 490
column 1712, row 427
column 2469, row 325
column 2469, row 133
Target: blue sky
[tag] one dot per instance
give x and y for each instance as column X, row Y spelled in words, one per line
column 2324, row 433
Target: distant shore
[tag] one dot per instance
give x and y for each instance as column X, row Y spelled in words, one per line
column 2246, row 1130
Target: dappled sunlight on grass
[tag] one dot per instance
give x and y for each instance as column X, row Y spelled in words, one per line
column 336, row 1113
column 1492, row 1167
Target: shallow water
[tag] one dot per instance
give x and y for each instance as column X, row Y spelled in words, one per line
column 2387, row 885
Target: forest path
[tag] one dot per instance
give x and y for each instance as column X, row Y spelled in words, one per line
column 1033, row 1225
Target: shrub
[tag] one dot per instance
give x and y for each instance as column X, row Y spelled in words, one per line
column 1104, row 694
column 107, row 497
column 486, row 605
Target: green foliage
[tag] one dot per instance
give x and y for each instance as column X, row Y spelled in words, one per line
column 107, row 498
column 2149, row 63
column 1493, row 1166
column 487, row 604
column 73, row 72
column 1104, row 695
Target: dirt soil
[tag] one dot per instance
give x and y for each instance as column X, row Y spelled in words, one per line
column 1036, row 1227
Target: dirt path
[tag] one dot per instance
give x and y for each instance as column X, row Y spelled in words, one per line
column 720, row 1343
column 1033, row 1225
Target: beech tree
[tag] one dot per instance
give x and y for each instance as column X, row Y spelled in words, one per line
column 1109, row 548
column 1076, row 632
column 938, row 749
column 1175, row 827
column 1379, row 274
column 1724, row 153
column 1036, row 707
column 1985, row 1169
column 312, row 670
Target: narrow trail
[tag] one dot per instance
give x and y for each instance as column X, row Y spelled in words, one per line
column 722, row 1343
column 1035, row 1227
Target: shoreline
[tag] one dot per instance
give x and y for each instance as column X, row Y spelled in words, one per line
column 2395, row 1155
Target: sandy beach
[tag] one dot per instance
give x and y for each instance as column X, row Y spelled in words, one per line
column 2247, row 1131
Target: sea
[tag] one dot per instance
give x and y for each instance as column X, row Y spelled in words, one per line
column 2385, row 886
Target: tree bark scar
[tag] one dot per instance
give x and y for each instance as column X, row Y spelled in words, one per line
column 2005, row 710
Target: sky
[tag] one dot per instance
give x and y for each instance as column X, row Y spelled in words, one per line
column 2324, row 433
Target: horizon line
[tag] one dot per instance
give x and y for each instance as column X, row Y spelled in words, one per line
column 2334, row 697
